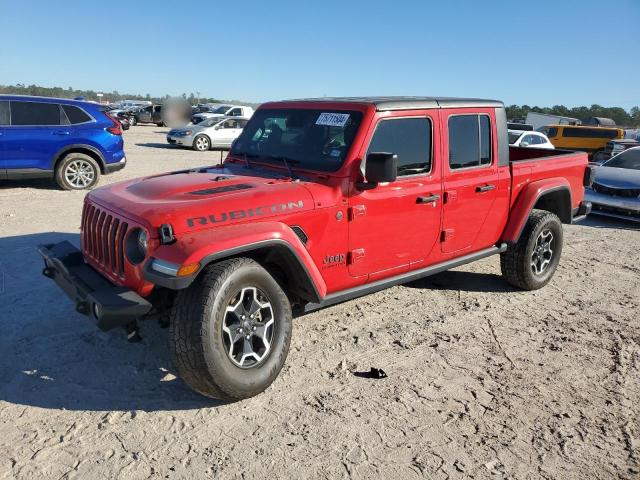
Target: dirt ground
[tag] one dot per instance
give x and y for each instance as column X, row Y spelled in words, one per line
column 483, row 381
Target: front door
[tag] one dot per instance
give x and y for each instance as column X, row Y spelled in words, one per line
column 470, row 177
column 397, row 224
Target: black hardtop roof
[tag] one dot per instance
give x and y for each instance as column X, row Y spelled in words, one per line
column 410, row 103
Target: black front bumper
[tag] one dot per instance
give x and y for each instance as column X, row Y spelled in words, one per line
column 107, row 304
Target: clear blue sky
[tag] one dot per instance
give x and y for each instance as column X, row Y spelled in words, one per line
column 537, row 53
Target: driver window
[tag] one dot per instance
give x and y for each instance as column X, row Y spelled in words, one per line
column 409, row 138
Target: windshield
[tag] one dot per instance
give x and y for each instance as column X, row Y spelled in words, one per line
column 627, row 159
column 209, row 122
column 311, row 139
column 222, row 109
column 513, row 137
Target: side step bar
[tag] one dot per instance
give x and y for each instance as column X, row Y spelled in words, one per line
column 344, row 295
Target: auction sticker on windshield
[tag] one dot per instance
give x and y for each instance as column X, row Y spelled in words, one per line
column 332, row 119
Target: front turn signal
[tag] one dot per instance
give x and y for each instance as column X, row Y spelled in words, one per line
column 186, row 270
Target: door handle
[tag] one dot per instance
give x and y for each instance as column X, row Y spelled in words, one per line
column 429, row 199
column 485, row 188
column 61, row 132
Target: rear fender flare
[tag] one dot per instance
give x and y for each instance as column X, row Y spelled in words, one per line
column 527, row 200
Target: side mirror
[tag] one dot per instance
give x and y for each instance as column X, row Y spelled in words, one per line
column 524, row 144
column 380, row 167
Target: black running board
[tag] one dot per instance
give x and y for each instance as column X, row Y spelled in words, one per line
column 359, row 291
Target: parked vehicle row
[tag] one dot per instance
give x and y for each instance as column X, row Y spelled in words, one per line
column 224, row 111
column 215, row 132
column 73, row 142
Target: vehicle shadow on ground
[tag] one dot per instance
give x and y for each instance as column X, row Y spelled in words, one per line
column 601, row 221
column 157, row 145
column 467, row 281
column 54, row 357
column 39, row 183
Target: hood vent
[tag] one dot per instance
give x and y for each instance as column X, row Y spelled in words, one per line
column 226, row 188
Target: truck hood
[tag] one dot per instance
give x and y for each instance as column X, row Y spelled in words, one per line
column 617, row 177
column 204, row 198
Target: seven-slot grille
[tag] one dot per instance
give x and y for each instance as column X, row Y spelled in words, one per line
column 103, row 238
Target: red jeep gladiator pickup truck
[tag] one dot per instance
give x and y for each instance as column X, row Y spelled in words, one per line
column 318, row 202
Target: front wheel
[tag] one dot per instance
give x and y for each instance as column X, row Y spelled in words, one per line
column 201, row 143
column 532, row 261
column 133, row 121
column 230, row 330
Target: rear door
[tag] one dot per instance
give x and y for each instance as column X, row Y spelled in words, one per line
column 470, row 176
column 396, row 225
column 36, row 134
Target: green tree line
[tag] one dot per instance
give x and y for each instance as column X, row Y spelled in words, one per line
column 619, row 115
column 114, row 96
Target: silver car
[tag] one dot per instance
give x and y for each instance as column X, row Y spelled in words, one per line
column 217, row 132
column 616, row 187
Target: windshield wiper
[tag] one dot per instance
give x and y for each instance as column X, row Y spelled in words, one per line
column 287, row 162
column 246, row 160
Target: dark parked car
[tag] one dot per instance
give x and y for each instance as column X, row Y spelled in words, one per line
column 149, row 114
column 68, row 140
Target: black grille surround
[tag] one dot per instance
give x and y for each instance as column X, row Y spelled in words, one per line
column 103, row 235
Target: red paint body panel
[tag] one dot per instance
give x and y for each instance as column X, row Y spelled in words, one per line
column 354, row 236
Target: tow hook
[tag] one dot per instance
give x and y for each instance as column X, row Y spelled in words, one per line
column 133, row 334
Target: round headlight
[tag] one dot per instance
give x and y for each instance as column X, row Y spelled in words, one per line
column 137, row 245
column 143, row 242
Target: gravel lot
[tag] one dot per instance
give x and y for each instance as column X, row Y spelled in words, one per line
column 484, row 381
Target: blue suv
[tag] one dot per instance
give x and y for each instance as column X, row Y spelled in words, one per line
column 68, row 140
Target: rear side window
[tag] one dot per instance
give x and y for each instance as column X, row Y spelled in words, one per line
column 409, row 138
column 75, row 114
column 4, row 113
column 589, row 132
column 469, row 141
column 35, row 113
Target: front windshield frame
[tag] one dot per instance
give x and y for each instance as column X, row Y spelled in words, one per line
column 617, row 161
column 300, row 150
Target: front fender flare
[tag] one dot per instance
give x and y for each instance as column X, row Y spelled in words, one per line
column 207, row 246
column 525, row 202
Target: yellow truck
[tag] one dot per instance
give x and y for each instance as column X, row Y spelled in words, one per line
column 587, row 139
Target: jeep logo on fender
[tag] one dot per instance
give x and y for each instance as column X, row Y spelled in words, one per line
column 248, row 213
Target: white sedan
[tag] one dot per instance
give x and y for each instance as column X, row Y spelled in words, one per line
column 530, row 139
column 217, row 132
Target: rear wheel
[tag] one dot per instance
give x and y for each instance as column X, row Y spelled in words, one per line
column 201, row 143
column 230, row 330
column 532, row 261
column 77, row 171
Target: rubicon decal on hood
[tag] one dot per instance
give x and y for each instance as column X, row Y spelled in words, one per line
column 248, row 213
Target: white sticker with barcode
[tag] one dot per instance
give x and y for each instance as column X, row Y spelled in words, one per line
column 333, row 119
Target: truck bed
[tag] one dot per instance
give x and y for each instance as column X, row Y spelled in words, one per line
column 528, row 165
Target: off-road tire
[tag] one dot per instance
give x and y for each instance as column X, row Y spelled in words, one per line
column 515, row 263
column 196, row 336
column 63, row 169
column 199, row 143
